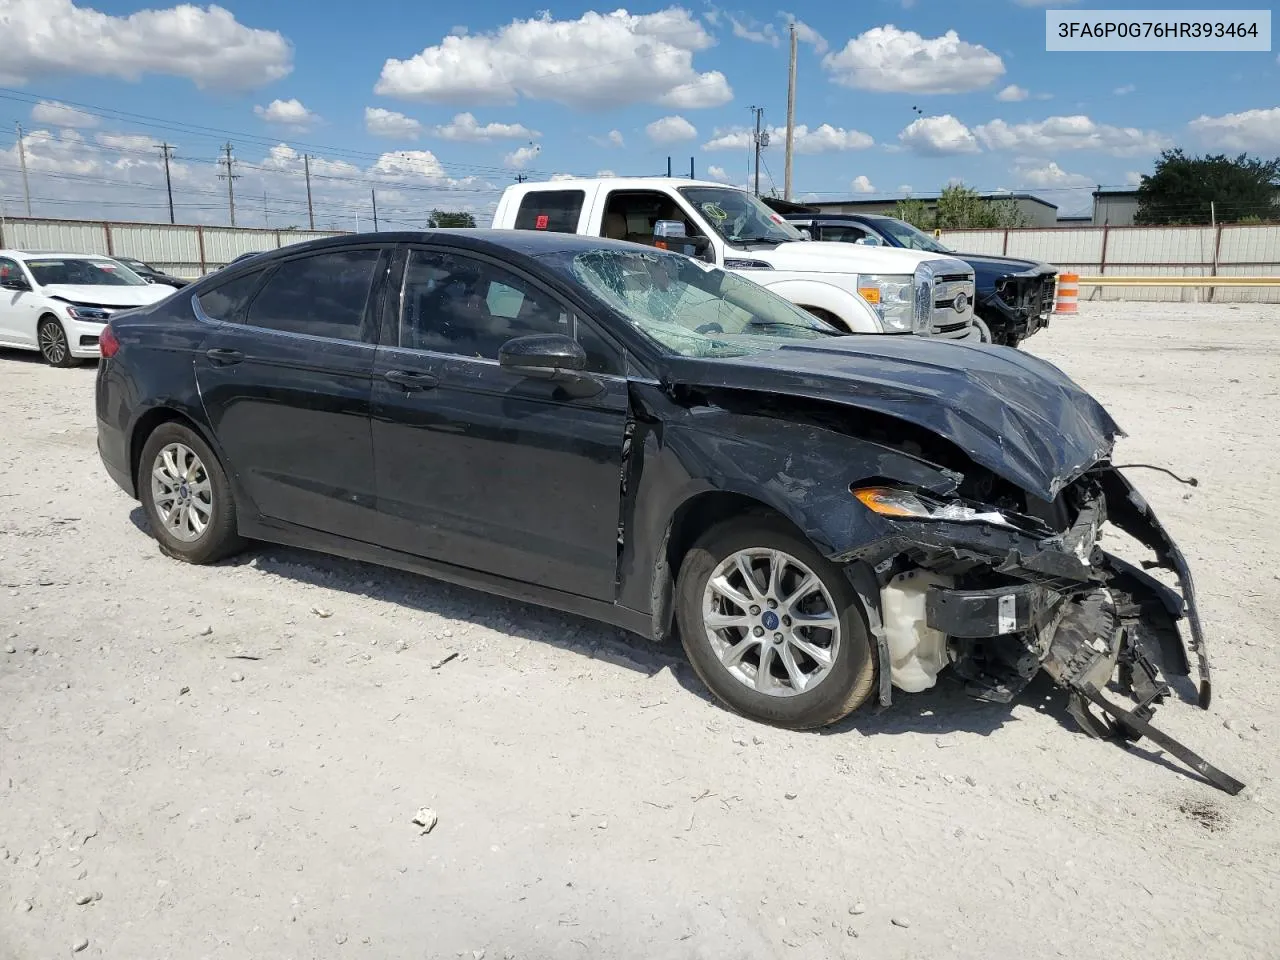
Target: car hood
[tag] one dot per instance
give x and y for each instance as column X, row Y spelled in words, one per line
column 820, row 256
column 1018, row 416
column 996, row 267
column 107, row 296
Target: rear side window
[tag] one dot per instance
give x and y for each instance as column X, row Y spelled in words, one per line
column 324, row 295
column 554, row 210
column 227, row 302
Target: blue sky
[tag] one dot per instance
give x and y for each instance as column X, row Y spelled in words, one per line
column 441, row 105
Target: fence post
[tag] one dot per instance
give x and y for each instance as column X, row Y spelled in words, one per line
column 1102, row 264
column 204, row 267
column 111, row 249
column 277, row 239
column 1004, row 250
column 1217, row 249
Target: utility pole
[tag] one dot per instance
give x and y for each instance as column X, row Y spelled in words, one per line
column 230, row 177
column 306, row 168
column 266, row 219
column 791, row 116
column 373, row 195
column 22, row 160
column 761, row 140
column 521, row 178
column 168, row 151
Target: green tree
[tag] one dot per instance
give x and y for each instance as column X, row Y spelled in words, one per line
column 1181, row 189
column 444, row 218
column 915, row 213
column 963, row 208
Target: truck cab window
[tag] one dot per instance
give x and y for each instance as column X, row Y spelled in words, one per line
column 631, row 214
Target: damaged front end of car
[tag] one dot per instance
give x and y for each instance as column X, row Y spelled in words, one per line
column 999, row 594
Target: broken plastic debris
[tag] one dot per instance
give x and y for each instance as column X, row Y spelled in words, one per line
column 426, row 818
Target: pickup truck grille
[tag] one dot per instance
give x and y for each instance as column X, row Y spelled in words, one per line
column 1029, row 297
column 946, row 321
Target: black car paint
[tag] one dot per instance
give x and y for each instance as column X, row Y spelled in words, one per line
column 586, row 503
column 1007, row 322
column 148, row 272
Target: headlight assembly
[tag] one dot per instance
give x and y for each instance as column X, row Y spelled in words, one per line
column 890, row 295
column 92, row 314
column 904, row 504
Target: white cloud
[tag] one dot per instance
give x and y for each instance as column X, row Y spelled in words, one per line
column 563, row 176
column 1125, row 90
column 388, row 123
column 861, row 184
column 287, row 113
column 522, row 156
column 821, row 139
column 613, row 138
column 1250, row 130
column 43, row 38
column 939, row 136
column 605, row 173
column 1070, row 133
column 464, row 127
column 671, row 129
column 127, row 142
column 1013, row 93
column 904, row 188
column 600, row 60
column 1051, row 175
column 806, row 33
column 1133, row 178
column 890, row 60
column 755, row 32
column 718, row 173
column 57, row 114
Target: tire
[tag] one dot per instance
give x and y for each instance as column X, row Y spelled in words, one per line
column 51, row 337
column 204, row 490
column 826, row 316
column 839, row 688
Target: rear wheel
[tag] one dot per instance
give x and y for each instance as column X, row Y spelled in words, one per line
column 52, row 340
column 772, row 627
column 186, row 496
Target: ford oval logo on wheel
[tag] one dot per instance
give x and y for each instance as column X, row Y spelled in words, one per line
column 960, row 303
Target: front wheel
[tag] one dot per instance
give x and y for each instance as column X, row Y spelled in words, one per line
column 52, row 339
column 772, row 627
column 186, row 496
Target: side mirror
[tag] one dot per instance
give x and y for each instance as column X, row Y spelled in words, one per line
column 14, row 283
column 544, row 355
column 870, row 242
column 669, row 229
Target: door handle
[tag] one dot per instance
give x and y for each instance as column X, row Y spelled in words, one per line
column 223, row 356
column 412, row 380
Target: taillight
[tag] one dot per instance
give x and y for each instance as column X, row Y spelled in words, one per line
column 108, row 345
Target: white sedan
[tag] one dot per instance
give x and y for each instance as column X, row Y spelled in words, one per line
column 58, row 303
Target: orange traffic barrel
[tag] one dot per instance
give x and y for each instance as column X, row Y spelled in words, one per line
column 1068, row 293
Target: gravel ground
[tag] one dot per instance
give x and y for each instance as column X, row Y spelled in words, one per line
column 225, row 762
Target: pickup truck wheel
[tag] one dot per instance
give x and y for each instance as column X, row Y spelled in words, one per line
column 772, row 627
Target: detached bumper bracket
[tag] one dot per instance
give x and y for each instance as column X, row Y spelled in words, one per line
column 976, row 614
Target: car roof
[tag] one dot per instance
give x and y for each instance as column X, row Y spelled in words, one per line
column 837, row 216
column 530, row 243
column 624, row 183
column 59, row 254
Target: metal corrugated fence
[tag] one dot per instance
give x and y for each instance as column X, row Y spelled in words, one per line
column 180, row 250
column 1222, row 251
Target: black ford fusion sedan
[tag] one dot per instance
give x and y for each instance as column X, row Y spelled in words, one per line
column 636, row 436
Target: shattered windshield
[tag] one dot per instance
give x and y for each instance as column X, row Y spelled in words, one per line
column 690, row 308
column 739, row 217
column 911, row 237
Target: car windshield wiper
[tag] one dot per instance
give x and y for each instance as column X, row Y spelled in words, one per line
column 761, row 239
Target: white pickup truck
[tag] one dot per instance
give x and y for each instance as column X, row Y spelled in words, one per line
column 862, row 289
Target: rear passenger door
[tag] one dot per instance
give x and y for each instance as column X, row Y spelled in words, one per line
column 285, row 375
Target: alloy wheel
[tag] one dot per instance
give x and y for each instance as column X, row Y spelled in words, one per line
column 771, row 622
column 182, row 492
column 53, row 342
